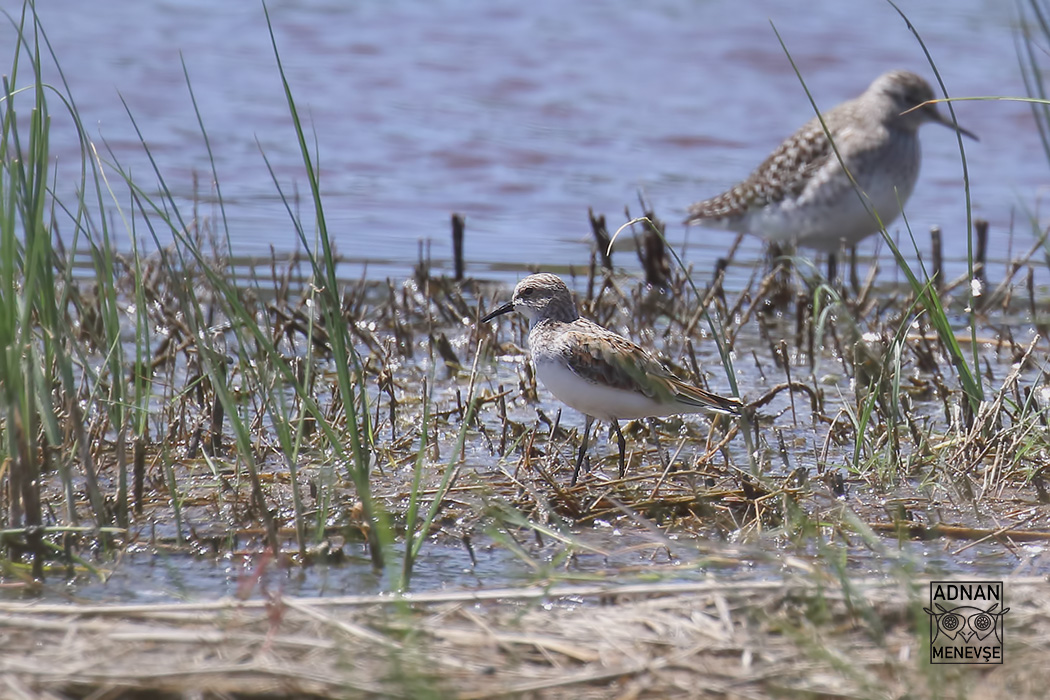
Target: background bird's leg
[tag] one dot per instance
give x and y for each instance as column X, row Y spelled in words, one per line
column 773, row 254
column 854, row 279
column 832, row 268
column 623, row 447
column 779, row 260
column 583, row 449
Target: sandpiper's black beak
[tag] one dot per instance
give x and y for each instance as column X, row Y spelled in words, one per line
column 505, row 309
column 946, row 121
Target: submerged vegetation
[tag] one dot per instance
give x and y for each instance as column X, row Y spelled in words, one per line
column 187, row 402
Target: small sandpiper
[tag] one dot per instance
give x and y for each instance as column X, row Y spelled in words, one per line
column 599, row 373
column 802, row 194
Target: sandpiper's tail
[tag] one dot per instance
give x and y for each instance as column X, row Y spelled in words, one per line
column 701, row 398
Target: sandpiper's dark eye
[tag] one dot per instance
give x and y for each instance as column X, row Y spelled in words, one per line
column 527, row 292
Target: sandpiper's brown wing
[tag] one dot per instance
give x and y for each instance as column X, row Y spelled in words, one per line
column 601, row 356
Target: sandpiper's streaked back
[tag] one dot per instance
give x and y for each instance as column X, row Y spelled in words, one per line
column 802, row 194
column 597, row 372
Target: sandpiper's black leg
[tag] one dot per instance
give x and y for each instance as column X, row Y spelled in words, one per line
column 583, row 449
column 623, row 448
column 663, row 456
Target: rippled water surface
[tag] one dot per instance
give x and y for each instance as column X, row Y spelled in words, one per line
column 149, row 577
column 523, row 115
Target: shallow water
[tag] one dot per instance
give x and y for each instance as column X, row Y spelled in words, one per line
column 523, row 115
column 151, row 577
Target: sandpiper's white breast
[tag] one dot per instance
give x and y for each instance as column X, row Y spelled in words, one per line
column 598, row 400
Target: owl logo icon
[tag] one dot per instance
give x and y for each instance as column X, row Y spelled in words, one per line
column 967, row 622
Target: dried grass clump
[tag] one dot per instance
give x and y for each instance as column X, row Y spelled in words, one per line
column 732, row 640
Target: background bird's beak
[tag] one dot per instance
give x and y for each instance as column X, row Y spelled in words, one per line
column 505, row 309
column 955, row 127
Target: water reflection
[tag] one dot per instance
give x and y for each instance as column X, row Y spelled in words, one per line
column 520, row 116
